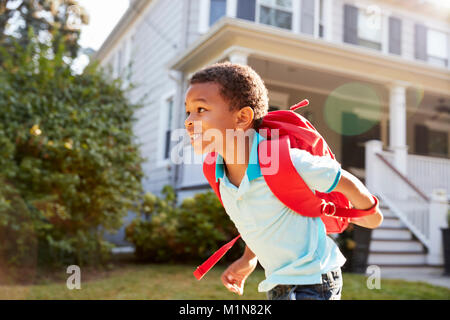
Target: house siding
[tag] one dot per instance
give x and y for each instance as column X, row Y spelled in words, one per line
column 193, row 21
column 154, row 41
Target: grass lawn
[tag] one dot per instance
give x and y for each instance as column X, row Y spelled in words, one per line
column 159, row 282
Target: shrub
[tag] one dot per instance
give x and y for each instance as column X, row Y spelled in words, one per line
column 69, row 169
column 346, row 244
column 190, row 232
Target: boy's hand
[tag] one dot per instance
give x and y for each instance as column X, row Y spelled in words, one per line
column 235, row 275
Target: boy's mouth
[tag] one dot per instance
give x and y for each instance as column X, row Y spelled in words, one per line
column 195, row 136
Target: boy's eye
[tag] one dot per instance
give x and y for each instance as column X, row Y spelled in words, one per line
column 199, row 110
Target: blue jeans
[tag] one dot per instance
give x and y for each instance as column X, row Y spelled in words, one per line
column 329, row 289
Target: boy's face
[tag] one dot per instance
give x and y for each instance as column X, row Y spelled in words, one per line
column 208, row 116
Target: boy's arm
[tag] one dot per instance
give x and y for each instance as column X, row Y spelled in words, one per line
column 233, row 278
column 360, row 197
column 248, row 254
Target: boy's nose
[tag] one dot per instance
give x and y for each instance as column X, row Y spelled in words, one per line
column 188, row 122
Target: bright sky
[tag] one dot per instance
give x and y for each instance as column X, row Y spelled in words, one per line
column 103, row 16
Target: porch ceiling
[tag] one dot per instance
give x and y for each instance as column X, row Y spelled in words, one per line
column 269, row 43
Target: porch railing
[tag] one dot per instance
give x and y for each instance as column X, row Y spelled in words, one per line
column 409, row 203
column 429, row 173
column 424, row 212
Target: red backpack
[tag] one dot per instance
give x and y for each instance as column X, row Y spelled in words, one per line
column 294, row 131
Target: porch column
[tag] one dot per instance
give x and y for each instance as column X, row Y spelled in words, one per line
column 239, row 57
column 397, row 125
column 438, row 219
column 371, row 164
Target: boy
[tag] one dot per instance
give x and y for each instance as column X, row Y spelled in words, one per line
column 224, row 103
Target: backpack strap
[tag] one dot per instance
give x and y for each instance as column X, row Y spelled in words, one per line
column 209, row 170
column 279, row 172
column 208, row 264
column 331, row 210
column 284, row 180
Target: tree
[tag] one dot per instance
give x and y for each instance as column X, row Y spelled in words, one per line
column 54, row 21
column 67, row 157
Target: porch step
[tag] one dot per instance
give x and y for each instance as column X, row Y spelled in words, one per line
column 392, row 222
column 396, row 258
column 387, row 213
column 391, row 233
column 395, row 245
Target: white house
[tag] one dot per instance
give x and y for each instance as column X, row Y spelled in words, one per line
column 376, row 73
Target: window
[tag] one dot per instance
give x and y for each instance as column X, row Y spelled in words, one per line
column 438, row 143
column 217, row 10
column 363, row 26
column 369, row 28
column 276, row 13
column 169, row 110
column 430, row 142
column 300, row 16
column 437, row 47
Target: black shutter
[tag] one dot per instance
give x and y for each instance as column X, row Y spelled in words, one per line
column 350, row 24
column 421, row 134
column 246, row 9
column 307, row 18
column 395, row 35
column 420, row 42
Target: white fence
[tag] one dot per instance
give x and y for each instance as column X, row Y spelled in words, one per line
column 418, row 199
column 429, row 173
column 410, row 204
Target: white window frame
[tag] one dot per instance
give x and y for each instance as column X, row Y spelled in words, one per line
column 327, row 11
column 162, row 128
column 316, row 18
column 205, row 6
column 231, row 11
column 385, row 14
column 445, row 34
column 383, row 28
column 292, row 11
column 440, row 28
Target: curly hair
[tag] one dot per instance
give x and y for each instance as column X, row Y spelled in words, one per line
column 240, row 86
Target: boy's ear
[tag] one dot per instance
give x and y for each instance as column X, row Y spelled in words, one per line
column 244, row 118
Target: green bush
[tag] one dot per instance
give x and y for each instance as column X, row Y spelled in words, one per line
column 69, row 169
column 346, row 244
column 190, row 232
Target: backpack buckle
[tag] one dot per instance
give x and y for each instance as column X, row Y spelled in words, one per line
column 326, row 209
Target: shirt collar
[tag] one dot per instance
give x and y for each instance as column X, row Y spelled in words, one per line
column 253, row 169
